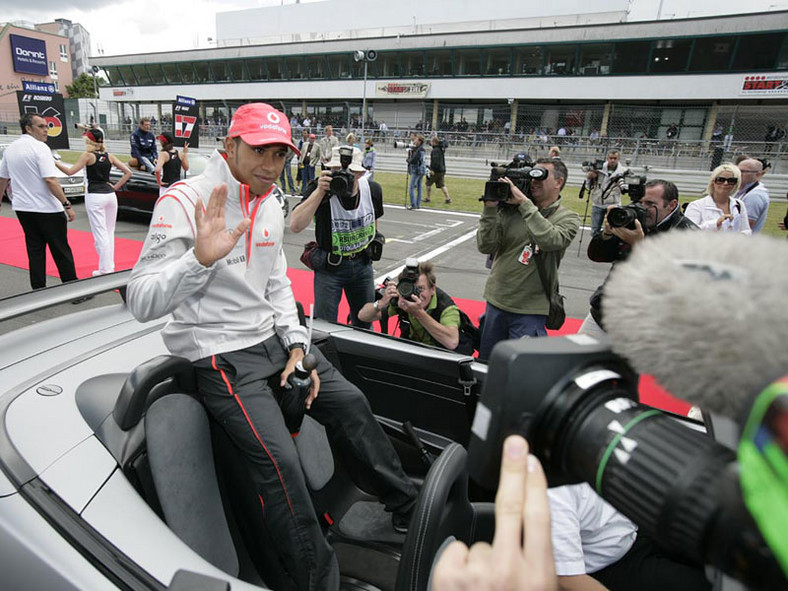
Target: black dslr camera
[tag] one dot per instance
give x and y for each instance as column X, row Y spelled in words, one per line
column 341, row 185
column 590, row 165
column 520, row 171
column 406, row 287
column 625, row 216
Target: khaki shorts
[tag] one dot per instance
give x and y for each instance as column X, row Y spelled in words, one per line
column 436, row 178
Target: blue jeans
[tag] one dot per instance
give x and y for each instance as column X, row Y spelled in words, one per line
column 355, row 278
column 145, row 163
column 597, row 219
column 307, row 176
column 414, row 189
column 287, row 171
column 500, row 325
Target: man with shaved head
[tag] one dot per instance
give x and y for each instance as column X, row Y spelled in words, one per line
column 754, row 193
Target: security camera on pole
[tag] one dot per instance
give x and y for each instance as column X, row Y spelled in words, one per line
column 366, row 56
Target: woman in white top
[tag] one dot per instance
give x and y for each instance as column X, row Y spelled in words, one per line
column 719, row 211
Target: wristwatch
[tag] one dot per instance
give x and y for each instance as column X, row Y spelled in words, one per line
column 376, row 305
column 301, row 346
column 66, row 204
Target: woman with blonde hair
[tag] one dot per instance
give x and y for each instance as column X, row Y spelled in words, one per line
column 101, row 203
column 719, row 210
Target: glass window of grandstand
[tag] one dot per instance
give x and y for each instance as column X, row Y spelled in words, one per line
column 316, row 67
column 411, row 63
column 171, row 73
column 595, row 59
column 387, row 65
column 560, row 60
column 237, row 70
column 711, row 54
column 203, row 72
column 467, row 62
column 690, row 123
column 188, row 74
column 141, row 74
column 339, row 65
column 670, row 55
column 256, row 68
column 274, row 69
column 528, row 60
column 631, row 57
column 439, row 63
column 63, row 53
column 295, row 67
column 156, row 74
column 114, row 77
column 127, row 74
column 497, row 62
column 782, row 61
column 757, row 52
column 221, row 71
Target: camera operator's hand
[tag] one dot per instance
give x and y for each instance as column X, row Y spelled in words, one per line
column 627, row 235
column 410, row 306
column 521, row 555
column 303, row 214
column 517, row 197
column 389, row 293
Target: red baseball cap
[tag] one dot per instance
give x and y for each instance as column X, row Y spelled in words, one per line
column 260, row 124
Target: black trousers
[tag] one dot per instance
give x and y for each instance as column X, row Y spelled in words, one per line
column 42, row 230
column 235, row 390
column 646, row 567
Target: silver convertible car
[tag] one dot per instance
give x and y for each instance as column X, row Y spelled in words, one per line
column 112, row 475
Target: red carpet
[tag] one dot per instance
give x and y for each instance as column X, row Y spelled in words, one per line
column 12, row 252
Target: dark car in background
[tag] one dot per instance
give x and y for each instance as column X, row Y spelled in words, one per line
column 140, row 193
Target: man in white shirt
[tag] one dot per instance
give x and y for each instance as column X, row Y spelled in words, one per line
column 38, row 200
column 595, row 548
column 754, row 193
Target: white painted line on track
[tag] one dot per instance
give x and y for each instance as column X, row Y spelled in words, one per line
column 427, row 256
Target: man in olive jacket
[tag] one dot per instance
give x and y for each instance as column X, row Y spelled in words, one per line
column 517, row 231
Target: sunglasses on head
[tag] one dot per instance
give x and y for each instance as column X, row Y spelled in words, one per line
column 721, row 180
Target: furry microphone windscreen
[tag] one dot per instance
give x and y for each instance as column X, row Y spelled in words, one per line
column 705, row 313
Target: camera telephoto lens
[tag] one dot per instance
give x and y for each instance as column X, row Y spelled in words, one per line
column 576, row 403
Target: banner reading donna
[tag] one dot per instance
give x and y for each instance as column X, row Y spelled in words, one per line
column 186, row 122
column 402, row 89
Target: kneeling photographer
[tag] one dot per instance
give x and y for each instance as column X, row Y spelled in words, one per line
column 427, row 314
column 655, row 212
column 345, row 207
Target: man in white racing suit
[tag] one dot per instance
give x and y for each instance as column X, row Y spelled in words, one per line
column 214, row 260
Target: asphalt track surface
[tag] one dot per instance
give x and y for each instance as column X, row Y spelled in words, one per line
column 445, row 238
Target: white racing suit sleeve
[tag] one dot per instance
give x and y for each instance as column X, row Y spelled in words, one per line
column 167, row 272
column 279, row 293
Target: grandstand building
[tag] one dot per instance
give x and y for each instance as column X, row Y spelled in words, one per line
column 584, row 69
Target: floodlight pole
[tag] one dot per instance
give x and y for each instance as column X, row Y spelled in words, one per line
column 95, row 93
column 364, row 103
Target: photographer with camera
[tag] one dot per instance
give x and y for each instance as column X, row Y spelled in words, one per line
column 656, row 212
column 437, row 173
column 605, row 186
column 427, row 314
column 520, row 221
column 345, row 207
column 417, row 168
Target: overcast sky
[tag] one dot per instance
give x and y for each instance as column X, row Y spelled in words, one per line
column 143, row 26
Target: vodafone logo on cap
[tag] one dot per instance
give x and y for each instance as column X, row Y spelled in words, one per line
column 273, row 117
